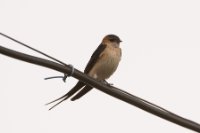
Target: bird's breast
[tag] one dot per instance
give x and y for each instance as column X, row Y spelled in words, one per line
column 107, row 63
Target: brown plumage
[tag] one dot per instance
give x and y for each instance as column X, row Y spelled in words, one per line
column 102, row 64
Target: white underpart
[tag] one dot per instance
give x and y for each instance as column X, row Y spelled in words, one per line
column 107, row 64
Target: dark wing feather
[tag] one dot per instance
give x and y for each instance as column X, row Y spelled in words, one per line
column 85, row 90
column 94, row 57
column 80, row 84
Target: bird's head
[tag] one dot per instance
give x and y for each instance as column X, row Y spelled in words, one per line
column 112, row 39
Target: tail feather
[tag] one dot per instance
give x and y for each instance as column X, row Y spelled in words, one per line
column 59, row 103
column 82, row 92
column 76, row 88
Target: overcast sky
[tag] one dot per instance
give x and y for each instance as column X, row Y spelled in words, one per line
column 160, row 63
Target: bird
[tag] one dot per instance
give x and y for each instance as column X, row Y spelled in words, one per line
column 102, row 64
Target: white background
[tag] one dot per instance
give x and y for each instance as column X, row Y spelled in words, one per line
column 160, row 63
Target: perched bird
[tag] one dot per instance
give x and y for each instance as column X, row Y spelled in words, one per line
column 102, row 64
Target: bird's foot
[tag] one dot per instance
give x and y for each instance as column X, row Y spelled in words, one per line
column 106, row 83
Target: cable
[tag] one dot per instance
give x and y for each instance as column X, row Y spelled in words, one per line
column 113, row 91
column 44, row 54
column 25, row 45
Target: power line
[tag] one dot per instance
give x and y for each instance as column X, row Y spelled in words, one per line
column 38, row 51
column 113, row 91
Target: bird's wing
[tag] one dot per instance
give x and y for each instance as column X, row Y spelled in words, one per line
column 94, row 58
column 86, row 89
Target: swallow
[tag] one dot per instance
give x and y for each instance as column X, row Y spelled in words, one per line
column 102, row 64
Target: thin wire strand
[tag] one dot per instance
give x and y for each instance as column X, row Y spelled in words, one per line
column 23, row 44
column 53, row 77
column 151, row 104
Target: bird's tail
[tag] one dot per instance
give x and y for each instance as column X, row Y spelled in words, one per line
column 76, row 88
column 85, row 90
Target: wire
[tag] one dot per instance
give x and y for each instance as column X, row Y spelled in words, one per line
column 38, row 51
column 25, row 45
column 113, row 91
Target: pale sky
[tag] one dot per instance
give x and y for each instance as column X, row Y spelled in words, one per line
column 160, row 63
